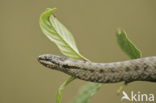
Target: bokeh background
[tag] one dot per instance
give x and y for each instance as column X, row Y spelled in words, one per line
column 93, row 24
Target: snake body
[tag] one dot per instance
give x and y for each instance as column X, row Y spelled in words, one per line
column 143, row 69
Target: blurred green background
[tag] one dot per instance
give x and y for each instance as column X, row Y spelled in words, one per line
column 93, row 24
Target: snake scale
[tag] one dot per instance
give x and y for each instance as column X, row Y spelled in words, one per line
column 143, row 69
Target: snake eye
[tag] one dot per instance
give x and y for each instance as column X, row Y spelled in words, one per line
column 46, row 58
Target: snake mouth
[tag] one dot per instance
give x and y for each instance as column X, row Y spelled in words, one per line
column 42, row 61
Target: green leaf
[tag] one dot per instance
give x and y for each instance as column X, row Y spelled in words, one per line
column 86, row 92
column 58, row 34
column 61, row 88
column 127, row 46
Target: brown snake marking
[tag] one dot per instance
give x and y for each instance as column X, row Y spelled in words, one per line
column 143, row 69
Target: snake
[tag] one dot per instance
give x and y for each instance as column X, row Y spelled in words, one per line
column 142, row 69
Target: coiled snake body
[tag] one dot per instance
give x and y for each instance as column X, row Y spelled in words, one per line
column 143, row 69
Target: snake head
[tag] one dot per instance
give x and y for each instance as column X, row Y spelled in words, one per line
column 51, row 61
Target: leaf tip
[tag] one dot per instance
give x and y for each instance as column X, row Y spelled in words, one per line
column 47, row 13
column 120, row 31
column 49, row 9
